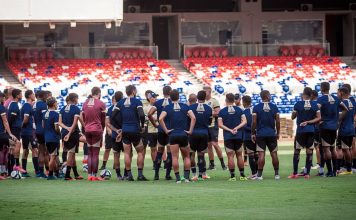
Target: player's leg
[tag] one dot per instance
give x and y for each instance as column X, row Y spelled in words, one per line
column 175, row 157
column 229, row 149
column 309, row 145
column 108, row 146
column 219, row 154
column 296, row 155
column 327, row 142
column 339, row 155
column 346, row 145
column 260, row 148
column 117, row 148
column 273, row 148
column 185, row 150
column 353, row 153
column 193, row 164
column 239, row 149
column 162, row 141
column 127, row 156
column 153, row 147
column 25, row 152
column 140, row 149
column 52, row 151
column 251, row 151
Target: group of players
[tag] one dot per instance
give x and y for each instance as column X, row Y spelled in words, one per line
column 171, row 128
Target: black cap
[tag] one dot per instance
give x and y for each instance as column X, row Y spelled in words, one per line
column 237, row 96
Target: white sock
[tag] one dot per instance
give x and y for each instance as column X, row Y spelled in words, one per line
column 321, row 169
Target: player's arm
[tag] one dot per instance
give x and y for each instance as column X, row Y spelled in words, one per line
column 150, row 116
column 192, row 121
column 74, row 125
column 278, row 124
column 254, row 123
column 344, row 111
column 7, row 126
column 242, row 123
column 294, row 114
column 216, row 111
column 161, row 122
column 116, row 120
column 60, row 123
column 222, row 126
column 141, row 116
column 12, row 117
column 108, row 125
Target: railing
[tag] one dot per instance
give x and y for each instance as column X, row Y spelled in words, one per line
column 233, row 50
column 117, row 52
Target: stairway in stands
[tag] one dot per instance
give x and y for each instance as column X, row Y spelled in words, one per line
column 178, row 66
column 8, row 76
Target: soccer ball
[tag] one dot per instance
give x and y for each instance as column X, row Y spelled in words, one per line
column 85, row 168
column 106, row 174
column 16, row 175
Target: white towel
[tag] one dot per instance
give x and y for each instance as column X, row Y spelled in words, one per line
column 165, row 102
column 331, row 99
column 127, row 102
column 351, row 106
column 307, row 105
column 266, row 107
column 67, row 109
column 230, row 109
column 200, row 107
column 176, row 106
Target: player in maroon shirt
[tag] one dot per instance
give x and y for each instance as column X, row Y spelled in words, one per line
column 94, row 120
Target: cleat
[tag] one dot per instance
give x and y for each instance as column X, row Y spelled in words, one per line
column 102, row 168
column 69, row 179
column 211, row 167
column 25, row 175
column 120, row 178
column 206, row 176
column 224, row 168
column 320, row 174
column 329, row 175
column 99, row 179
column 142, row 178
column 277, row 177
column 78, row 178
column 130, row 178
column 90, row 178
column 156, row 177
column 60, row 176
column 307, row 176
column 43, row 176
column 243, row 178
column 2, row 178
column 317, row 166
column 51, row 178
column 259, row 178
column 168, row 178
column 178, row 181
column 232, row 179
column 301, row 173
column 186, row 180
column 345, row 173
column 194, row 178
column 252, row 176
column 293, row 176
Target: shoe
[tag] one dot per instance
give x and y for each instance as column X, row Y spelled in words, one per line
column 142, row 178
column 2, row 178
column 243, row 178
column 43, row 176
column 307, row 176
column 102, row 168
column 156, row 177
column 130, row 178
column 60, row 176
column 168, row 178
column 195, row 178
column 51, row 178
column 259, row 178
column 224, row 168
column 277, row 177
column 69, row 179
column 78, row 178
column 353, row 170
column 186, row 180
column 91, row 178
column 206, row 177
column 232, row 179
column 120, row 178
column 317, row 166
column 293, row 176
column 20, row 169
column 301, row 173
column 329, row 175
column 25, row 175
column 345, row 173
column 178, row 181
column 99, row 178
column 84, row 161
column 320, row 174
column 211, row 167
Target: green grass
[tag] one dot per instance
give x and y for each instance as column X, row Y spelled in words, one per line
column 317, row 198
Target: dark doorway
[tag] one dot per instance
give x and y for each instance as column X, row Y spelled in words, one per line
column 334, row 34
column 165, row 36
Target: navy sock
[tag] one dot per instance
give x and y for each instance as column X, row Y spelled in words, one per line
column 295, row 163
column 50, row 173
column 41, row 169
column 232, row 173
column 68, row 172
column 252, row 162
column 186, row 174
column 212, row 163
column 75, row 171
column 64, row 156
column 158, row 162
column 118, row 172
column 354, row 163
column 242, row 172
column 17, row 161
column 104, row 164
column 328, row 165
column 335, row 163
column 309, row 161
column 35, row 164
column 259, row 172
column 222, row 162
column 140, row 172
column 194, row 170
column 169, row 164
column 201, row 165
column 177, row 176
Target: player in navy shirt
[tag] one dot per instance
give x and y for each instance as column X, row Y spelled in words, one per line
column 162, row 137
column 52, row 136
column 265, row 131
column 5, row 138
column 347, row 129
column 27, row 133
column 114, row 129
column 177, row 114
column 133, row 122
column 307, row 114
column 247, row 140
column 200, row 137
column 15, row 123
column 329, row 106
column 38, row 109
column 232, row 120
column 70, row 133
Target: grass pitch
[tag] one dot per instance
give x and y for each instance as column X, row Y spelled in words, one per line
column 316, row 198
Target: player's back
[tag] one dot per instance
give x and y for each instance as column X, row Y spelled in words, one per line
column 50, row 119
column 203, row 115
column 177, row 117
column 130, row 118
column 266, row 123
column 306, row 111
column 68, row 113
column 26, row 110
column 14, row 111
column 38, row 109
column 160, row 105
column 231, row 117
column 2, row 112
column 347, row 126
column 329, row 110
column 248, row 127
column 93, row 111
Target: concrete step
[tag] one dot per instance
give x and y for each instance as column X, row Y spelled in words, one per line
column 11, row 78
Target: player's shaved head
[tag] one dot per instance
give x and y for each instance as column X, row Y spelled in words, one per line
column 246, row 100
column 265, row 95
column 201, row 95
column 167, row 90
column 174, row 95
column 130, row 90
column 325, row 86
column 230, row 98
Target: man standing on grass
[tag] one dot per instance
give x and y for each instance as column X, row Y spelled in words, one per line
column 307, row 114
column 200, row 136
column 232, row 120
column 133, row 123
column 162, row 137
column 347, row 128
column 265, row 132
column 330, row 107
column 27, row 133
column 177, row 114
column 94, row 120
column 213, row 131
